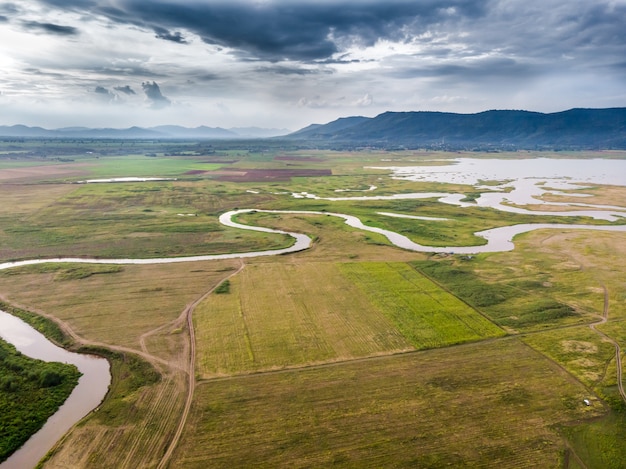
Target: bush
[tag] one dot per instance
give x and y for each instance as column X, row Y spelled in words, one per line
column 223, row 287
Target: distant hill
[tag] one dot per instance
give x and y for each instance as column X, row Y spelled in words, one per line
column 159, row 132
column 573, row 129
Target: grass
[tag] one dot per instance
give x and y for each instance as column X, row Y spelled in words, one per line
column 600, row 443
column 64, row 271
column 140, row 165
column 427, row 315
column 584, row 354
column 514, row 304
column 139, row 414
column 126, row 220
column 480, row 405
column 283, row 315
column 118, row 307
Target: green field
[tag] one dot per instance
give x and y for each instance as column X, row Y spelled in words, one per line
column 427, row 315
column 278, row 316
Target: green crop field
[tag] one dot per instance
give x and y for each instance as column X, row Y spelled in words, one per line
column 427, row 315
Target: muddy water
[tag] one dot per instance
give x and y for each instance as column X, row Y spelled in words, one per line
column 86, row 396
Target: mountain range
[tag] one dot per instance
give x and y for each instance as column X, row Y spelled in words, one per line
column 159, row 132
column 572, row 129
column 496, row 129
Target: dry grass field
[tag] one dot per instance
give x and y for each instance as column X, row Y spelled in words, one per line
column 491, row 405
column 115, row 308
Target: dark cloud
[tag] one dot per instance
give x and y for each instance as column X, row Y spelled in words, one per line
column 3, row 19
column 282, row 70
column 162, row 33
column 104, row 94
column 205, row 76
column 275, row 30
column 9, row 8
column 318, row 31
column 153, row 93
column 51, row 28
column 490, row 68
column 125, row 89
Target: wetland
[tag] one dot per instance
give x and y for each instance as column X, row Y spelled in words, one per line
column 296, row 259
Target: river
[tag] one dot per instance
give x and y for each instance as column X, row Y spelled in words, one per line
column 86, row 396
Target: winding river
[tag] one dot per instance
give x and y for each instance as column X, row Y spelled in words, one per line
column 94, row 383
column 86, row 396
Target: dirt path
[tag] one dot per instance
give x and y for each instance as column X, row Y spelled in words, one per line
column 603, row 320
column 618, row 350
column 188, row 315
column 168, row 368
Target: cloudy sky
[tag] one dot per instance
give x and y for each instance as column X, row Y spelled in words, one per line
column 289, row 63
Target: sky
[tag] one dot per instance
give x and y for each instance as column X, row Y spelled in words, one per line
column 290, row 63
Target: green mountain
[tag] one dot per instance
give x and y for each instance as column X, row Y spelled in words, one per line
column 573, row 129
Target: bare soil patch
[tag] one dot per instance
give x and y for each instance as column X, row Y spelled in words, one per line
column 43, row 172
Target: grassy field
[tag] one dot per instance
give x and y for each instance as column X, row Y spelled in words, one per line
column 487, row 405
column 427, row 315
column 278, row 315
column 583, row 353
column 515, row 301
column 309, row 359
column 116, row 307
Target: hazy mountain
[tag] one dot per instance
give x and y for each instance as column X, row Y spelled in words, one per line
column 162, row 131
column 576, row 128
column 24, row 131
column 573, row 129
column 258, row 132
column 176, row 131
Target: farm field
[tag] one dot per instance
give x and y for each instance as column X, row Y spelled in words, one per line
column 278, row 315
column 468, row 406
column 352, row 353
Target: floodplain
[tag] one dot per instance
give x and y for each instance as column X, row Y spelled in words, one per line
column 352, row 353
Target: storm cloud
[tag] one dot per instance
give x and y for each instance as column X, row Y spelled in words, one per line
column 154, row 95
column 277, row 30
column 162, row 33
column 50, row 28
column 259, row 60
column 125, row 89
